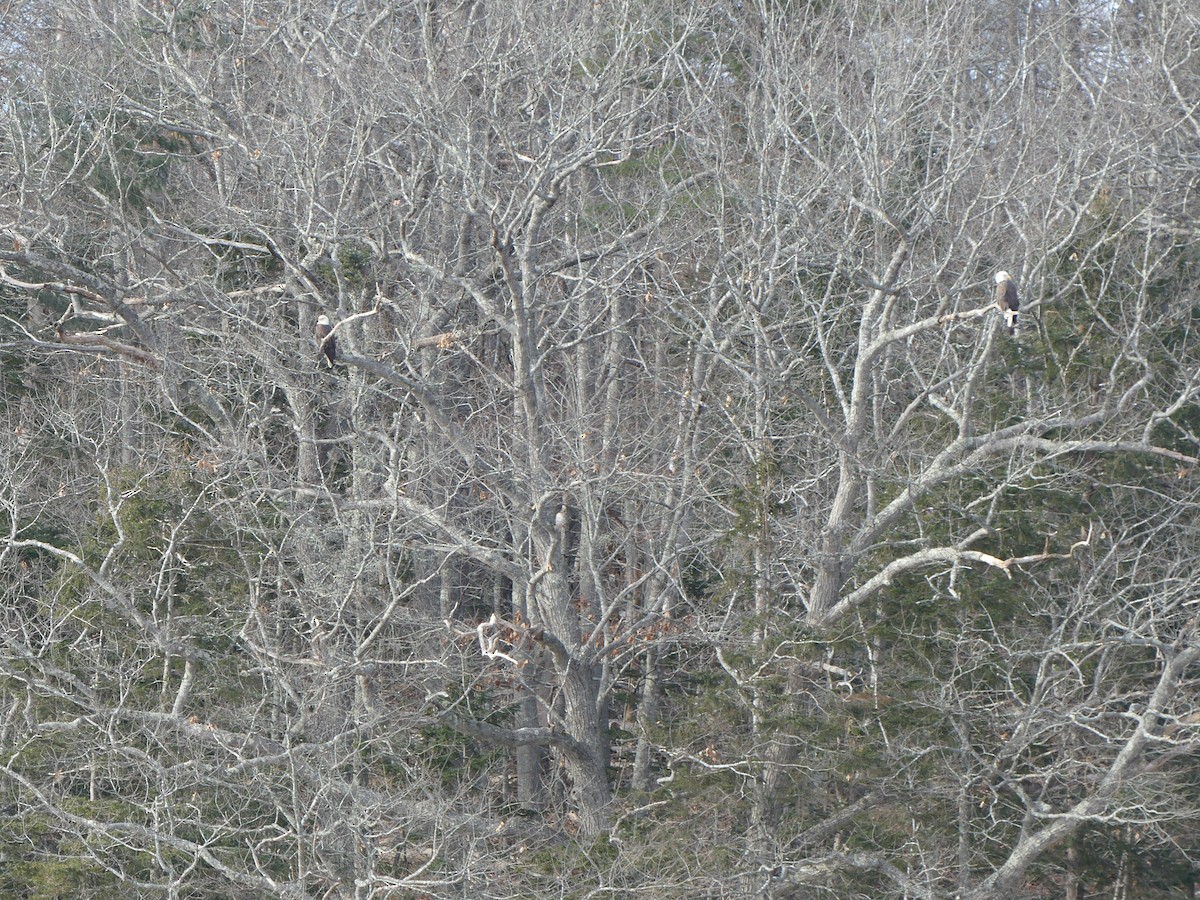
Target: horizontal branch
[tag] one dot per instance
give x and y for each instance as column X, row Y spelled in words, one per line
column 907, row 331
column 931, row 556
column 60, row 287
column 99, row 343
column 963, row 456
column 97, row 290
column 1061, row 448
column 514, row 737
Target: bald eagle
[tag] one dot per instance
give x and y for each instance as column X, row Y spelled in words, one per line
column 1006, row 300
column 326, row 341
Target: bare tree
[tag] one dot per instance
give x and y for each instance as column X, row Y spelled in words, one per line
column 889, row 428
column 674, row 473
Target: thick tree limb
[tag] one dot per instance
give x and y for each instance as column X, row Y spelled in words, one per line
column 939, row 555
column 1129, row 761
column 839, row 820
column 99, row 343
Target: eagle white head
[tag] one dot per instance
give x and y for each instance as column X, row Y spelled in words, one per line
column 323, row 319
column 1002, row 276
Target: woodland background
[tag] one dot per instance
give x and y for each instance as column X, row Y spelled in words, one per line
column 679, row 519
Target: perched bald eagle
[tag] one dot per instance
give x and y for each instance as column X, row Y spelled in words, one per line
column 1006, row 300
column 326, row 341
